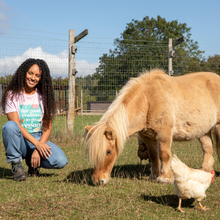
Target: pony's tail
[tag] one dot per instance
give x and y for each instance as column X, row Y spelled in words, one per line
column 217, row 139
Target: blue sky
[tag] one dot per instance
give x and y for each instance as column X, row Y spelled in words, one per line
column 106, row 20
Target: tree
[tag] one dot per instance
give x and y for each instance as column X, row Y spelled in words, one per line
column 212, row 64
column 85, row 84
column 5, row 79
column 144, row 45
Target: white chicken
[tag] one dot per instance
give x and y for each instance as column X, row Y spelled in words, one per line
column 189, row 182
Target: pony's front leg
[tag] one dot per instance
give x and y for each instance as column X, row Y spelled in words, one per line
column 207, row 147
column 166, row 175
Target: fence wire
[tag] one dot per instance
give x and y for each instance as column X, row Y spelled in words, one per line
column 102, row 70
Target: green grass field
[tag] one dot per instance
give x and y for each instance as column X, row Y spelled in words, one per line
column 68, row 193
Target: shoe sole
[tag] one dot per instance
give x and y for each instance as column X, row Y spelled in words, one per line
column 20, row 178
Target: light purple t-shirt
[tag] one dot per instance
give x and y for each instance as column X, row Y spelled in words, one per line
column 29, row 108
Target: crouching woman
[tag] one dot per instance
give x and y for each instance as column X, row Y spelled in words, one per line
column 29, row 104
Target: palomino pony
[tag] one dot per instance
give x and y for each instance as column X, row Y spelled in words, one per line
column 161, row 109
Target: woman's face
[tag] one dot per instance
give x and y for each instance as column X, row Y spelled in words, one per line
column 33, row 76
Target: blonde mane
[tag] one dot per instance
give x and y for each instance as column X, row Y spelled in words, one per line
column 116, row 120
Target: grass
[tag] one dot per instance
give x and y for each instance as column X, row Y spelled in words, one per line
column 68, row 193
column 80, row 122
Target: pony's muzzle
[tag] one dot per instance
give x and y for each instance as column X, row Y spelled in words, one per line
column 99, row 182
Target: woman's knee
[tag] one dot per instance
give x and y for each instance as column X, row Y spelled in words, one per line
column 58, row 158
column 57, row 161
column 61, row 162
column 10, row 127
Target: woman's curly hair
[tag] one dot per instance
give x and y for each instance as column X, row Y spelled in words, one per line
column 17, row 84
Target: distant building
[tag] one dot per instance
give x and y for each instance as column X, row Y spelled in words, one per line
column 97, row 106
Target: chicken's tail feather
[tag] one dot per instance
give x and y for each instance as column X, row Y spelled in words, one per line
column 178, row 168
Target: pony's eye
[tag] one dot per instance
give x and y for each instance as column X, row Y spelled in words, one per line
column 109, row 152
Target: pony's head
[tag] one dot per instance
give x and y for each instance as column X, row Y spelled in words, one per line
column 105, row 140
column 103, row 151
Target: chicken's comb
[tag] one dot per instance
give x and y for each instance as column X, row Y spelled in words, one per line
column 212, row 172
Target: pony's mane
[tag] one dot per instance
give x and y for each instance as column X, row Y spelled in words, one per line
column 115, row 119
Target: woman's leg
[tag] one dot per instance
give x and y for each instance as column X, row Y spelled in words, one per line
column 56, row 160
column 15, row 148
column 14, row 143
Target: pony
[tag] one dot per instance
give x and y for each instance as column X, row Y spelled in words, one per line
column 161, row 109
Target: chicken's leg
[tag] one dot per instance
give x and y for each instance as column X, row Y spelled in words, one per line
column 179, row 207
column 201, row 206
column 140, row 165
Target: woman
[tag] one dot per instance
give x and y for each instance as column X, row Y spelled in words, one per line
column 29, row 104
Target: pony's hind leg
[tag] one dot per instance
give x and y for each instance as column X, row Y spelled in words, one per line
column 217, row 138
column 154, row 156
column 207, row 147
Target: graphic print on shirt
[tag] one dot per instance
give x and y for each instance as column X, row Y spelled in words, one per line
column 31, row 117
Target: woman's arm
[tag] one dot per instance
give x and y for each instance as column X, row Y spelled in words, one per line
column 46, row 134
column 35, row 159
column 41, row 146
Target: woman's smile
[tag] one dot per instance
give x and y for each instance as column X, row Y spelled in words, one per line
column 33, row 77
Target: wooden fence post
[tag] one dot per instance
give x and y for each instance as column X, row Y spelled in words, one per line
column 170, row 55
column 81, row 102
column 72, row 72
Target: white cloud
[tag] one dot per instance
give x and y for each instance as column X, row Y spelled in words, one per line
column 58, row 64
column 84, row 68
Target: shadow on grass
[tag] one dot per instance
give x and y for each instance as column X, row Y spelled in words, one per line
column 169, row 200
column 217, row 173
column 80, row 177
column 5, row 173
column 131, row 171
column 126, row 171
column 47, row 174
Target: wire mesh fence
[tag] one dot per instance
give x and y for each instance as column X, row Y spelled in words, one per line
column 102, row 70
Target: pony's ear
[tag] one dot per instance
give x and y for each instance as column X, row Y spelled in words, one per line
column 88, row 128
column 109, row 135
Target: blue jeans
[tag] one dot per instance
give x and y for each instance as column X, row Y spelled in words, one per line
column 17, row 147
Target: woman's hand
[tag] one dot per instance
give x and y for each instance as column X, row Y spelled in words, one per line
column 41, row 146
column 43, row 150
column 35, row 159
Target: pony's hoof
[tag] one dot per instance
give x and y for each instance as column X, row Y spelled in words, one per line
column 164, row 180
column 152, row 178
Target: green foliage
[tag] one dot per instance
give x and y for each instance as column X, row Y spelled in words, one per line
column 212, row 64
column 85, row 84
column 144, row 45
column 60, row 81
column 5, row 79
